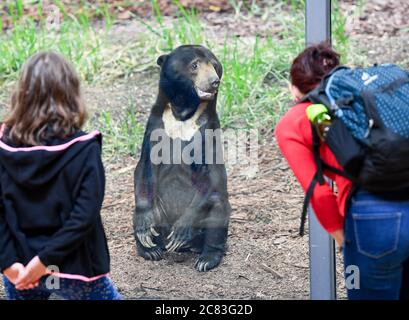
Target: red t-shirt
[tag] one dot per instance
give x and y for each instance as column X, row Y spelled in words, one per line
column 294, row 138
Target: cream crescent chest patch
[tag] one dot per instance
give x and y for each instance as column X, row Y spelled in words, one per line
column 184, row 130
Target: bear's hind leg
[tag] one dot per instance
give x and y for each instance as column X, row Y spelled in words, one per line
column 197, row 243
column 215, row 233
column 213, row 249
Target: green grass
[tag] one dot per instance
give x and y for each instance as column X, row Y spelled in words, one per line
column 75, row 38
column 252, row 82
column 184, row 30
column 122, row 134
column 340, row 38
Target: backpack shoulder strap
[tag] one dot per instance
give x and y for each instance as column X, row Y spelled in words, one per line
column 339, row 172
column 318, row 177
column 307, row 199
column 316, row 143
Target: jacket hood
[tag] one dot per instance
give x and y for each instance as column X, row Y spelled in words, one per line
column 36, row 166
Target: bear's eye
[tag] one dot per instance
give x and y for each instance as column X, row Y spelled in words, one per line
column 194, row 65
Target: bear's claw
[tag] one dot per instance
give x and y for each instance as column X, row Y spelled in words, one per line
column 154, row 254
column 145, row 239
column 180, row 237
column 145, row 231
column 175, row 245
column 207, row 262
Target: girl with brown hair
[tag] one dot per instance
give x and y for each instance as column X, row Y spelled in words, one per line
column 51, row 189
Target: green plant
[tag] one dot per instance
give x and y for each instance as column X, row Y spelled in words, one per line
column 339, row 34
column 297, row 5
column 360, row 5
column 122, row 134
column 186, row 29
column 74, row 37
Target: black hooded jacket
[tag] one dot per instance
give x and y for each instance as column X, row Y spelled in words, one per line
column 50, row 202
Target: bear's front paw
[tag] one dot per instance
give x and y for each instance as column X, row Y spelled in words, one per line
column 179, row 238
column 208, row 261
column 154, row 254
column 144, row 230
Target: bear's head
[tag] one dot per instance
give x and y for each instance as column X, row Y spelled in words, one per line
column 189, row 75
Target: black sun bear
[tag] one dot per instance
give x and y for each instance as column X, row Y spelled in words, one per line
column 181, row 199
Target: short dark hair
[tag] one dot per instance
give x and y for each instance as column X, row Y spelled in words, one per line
column 312, row 65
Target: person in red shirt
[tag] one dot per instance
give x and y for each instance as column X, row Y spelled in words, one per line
column 294, row 138
column 372, row 229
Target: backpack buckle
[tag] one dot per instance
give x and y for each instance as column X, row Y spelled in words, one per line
column 370, row 125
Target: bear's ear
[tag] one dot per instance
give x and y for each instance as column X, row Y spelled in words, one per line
column 162, row 59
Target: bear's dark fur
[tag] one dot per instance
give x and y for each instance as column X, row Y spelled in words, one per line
column 183, row 206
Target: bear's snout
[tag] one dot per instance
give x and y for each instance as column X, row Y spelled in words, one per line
column 215, row 82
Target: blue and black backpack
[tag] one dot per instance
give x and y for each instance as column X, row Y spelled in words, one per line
column 369, row 134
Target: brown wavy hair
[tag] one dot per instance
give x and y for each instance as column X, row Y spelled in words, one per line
column 46, row 102
column 311, row 65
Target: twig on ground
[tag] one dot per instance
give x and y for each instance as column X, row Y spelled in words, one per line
column 149, row 288
column 239, row 217
column 297, row 265
column 125, row 170
column 110, row 205
column 271, row 270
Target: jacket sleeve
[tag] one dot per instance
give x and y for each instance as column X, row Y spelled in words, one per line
column 85, row 213
column 294, row 138
column 8, row 252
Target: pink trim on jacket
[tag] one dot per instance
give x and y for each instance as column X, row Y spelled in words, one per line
column 77, row 276
column 47, row 148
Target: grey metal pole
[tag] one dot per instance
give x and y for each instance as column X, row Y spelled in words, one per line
column 317, row 21
column 322, row 253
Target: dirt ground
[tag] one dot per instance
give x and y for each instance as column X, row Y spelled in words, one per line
column 266, row 259
column 264, row 254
